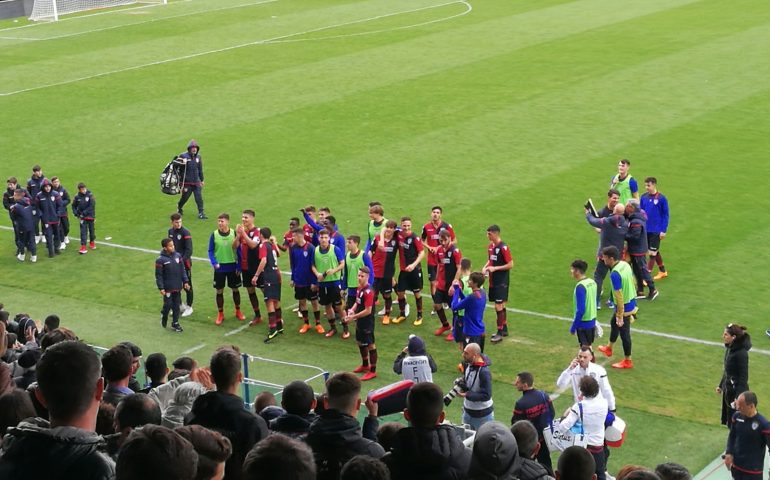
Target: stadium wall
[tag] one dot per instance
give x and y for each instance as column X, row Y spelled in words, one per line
column 15, row 8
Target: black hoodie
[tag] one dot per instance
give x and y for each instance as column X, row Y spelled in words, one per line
column 291, row 425
column 225, row 414
column 32, row 450
column 428, row 454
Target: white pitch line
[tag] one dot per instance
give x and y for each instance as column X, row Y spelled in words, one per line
column 194, row 349
column 221, row 50
column 669, row 336
column 237, row 330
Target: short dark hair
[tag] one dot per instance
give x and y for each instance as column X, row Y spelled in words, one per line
column 364, row 269
column 580, row 265
column 15, row 406
column 67, row 376
column 297, row 398
column 444, row 234
column 52, row 322
column 364, row 467
column 625, row 161
column 526, row 437
column 249, row 212
column 212, row 447
column 136, row 410
column 641, row 473
column 12, row 180
column 355, row 239
column 324, row 231
column 386, row 433
column 184, row 363
column 526, row 378
column 226, row 216
column 36, row 168
column 155, row 366
column 279, row 457
column 672, row 471
column 613, row 191
column 477, row 278
column 377, row 209
column 406, row 219
column 611, row 252
column 81, row 185
column 576, row 463
column 589, row 387
column 391, row 224
column 264, row 399
column 425, row 402
column 297, row 231
column 437, row 207
column 465, row 263
column 176, row 216
column 164, row 243
column 331, row 219
column 493, row 228
column 750, row 398
column 225, row 366
column 294, row 220
column 116, row 363
column 342, row 391
column 156, row 452
column 265, row 232
column 136, row 352
column 654, row 181
column 105, row 419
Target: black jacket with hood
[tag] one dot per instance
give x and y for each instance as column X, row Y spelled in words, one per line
column 428, row 454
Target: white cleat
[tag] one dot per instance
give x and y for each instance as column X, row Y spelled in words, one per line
column 187, row 311
column 62, row 246
column 20, row 257
column 33, row 258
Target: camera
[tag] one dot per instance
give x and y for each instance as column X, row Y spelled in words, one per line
column 459, row 387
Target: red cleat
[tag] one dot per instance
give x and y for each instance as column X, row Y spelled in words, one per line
column 332, row 332
column 220, row 318
column 304, row 328
column 606, row 350
column 361, row 369
column 82, row 250
column 450, row 338
column 255, row 321
column 368, row 376
column 443, row 329
column 345, row 335
column 239, row 314
column 625, row 363
column 92, row 246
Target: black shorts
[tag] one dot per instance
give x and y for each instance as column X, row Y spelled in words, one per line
column 498, row 293
column 233, row 279
column 383, row 286
column 350, row 298
column 272, row 288
column 411, row 281
column 441, row 297
column 432, row 269
column 248, row 275
column 365, row 331
column 653, row 241
column 305, row 293
column 329, row 294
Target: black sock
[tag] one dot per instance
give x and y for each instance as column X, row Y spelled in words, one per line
column 442, row 316
column 317, row 316
column 402, row 306
column 220, row 301
column 388, row 304
column 279, row 314
column 418, row 302
column 254, row 302
column 373, row 360
column 304, row 316
column 364, row 355
column 237, row 299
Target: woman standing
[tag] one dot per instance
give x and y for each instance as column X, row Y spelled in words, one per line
column 735, row 379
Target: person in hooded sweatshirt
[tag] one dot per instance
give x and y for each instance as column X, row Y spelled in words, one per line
column 735, row 378
column 192, row 183
column 336, row 436
column 427, row 450
column 222, row 410
column 298, row 401
column 48, row 203
column 495, row 454
column 24, row 218
column 414, row 363
column 636, row 238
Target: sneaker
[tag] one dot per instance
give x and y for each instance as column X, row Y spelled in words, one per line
column 33, row 258
column 188, row 310
column 599, row 306
column 417, row 322
column 319, row 328
column 220, row 318
column 605, row 349
column 63, row 246
column 43, row 239
column 361, row 369
column 767, row 332
column 660, row 276
column 398, row 320
column 20, row 257
column 610, row 304
column 381, row 312
column 450, row 338
column 653, row 295
column 505, row 330
column 368, row 376
column 37, row 239
column 640, row 295
column 442, row 330
column 66, row 240
column 177, row 328
column 271, row 334
column 332, row 332
column 625, row 363
column 345, row 335
column 305, row 328
column 599, row 331
column 163, row 321
column 239, row 315
column 82, row 250
column 386, row 320
column 496, row 338
column 432, row 312
column 202, row 216
column 92, row 246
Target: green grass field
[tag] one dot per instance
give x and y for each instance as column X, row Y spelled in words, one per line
column 503, row 111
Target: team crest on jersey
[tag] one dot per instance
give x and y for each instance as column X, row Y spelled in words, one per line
column 177, row 259
column 754, row 425
column 655, row 202
column 179, row 236
column 497, row 250
column 304, row 254
column 52, row 198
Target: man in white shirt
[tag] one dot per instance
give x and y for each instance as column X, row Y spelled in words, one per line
column 582, row 366
column 590, row 413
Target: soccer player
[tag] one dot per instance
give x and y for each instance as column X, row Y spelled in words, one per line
column 24, row 220
column 473, row 303
column 328, row 263
column 430, row 237
column 498, row 267
column 84, row 208
column 288, row 236
column 624, row 182
column 183, row 245
column 249, row 239
column 223, row 255
column 323, row 215
column 302, row 278
column 355, row 258
column 449, row 258
column 34, row 185
column 363, row 314
column 458, row 315
column 383, row 252
column 64, row 219
column 410, row 255
column 171, row 278
column 584, row 304
column 624, row 290
column 48, row 204
column 309, row 213
column 192, row 182
column 8, row 201
column 377, row 222
column 655, row 205
column 336, row 238
column 271, row 282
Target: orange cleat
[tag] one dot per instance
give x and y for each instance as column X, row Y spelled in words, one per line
column 605, row 349
column 368, row 376
column 442, row 330
column 625, row 363
column 239, row 314
column 386, row 320
column 305, row 328
column 319, row 328
column 660, row 276
column 361, row 369
column 398, row 320
column 345, row 335
column 220, row 318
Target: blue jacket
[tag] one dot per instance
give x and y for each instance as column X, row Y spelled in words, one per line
column 170, row 274
column 34, row 185
column 747, row 442
column 65, row 200
column 48, row 205
column 84, row 206
column 473, row 304
column 656, row 208
column 637, row 234
column 24, row 215
column 193, row 175
column 182, row 244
